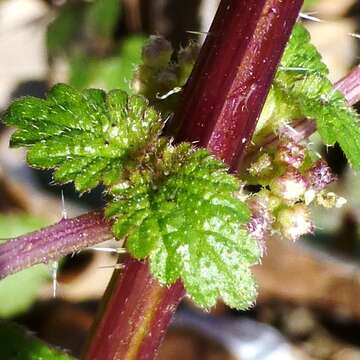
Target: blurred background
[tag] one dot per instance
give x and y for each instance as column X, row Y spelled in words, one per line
column 308, row 305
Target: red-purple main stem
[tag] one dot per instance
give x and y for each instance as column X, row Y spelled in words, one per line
column 231, row 80
column 221, row 105
column 135, row 315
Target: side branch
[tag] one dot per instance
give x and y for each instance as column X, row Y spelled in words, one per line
column 350, row 86
column 65, row 237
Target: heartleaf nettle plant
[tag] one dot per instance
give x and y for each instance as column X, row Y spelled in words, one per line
column 174, row 204
column 177, row 205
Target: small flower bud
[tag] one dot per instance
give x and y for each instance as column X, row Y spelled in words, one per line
column 188, row 54
column 294, row 222
column 330, row 200
column 268, row 199
column 261, row 166
column 259, row 226
column 320, row 175
column 290, row 153
column 186, row 60
column 290, row 186
column 165, row 81
column 157, row 52
column 309, row 196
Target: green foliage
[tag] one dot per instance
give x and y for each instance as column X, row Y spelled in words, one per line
column 86, row 136
column 17, row 344
column 101, row 17
column 82, row 35
column 63, row 29
column 175, row 205
column 302, row 89
column 107, row 73
column 18, row 291
column 79, row 21
column 308, row 4
column 189, row 223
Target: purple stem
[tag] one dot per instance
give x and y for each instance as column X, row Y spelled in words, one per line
column 66, row 237
column 135, row 313
column 350, row 86
column 230, row 81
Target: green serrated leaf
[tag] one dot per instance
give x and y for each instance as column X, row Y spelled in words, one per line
column 302, row 89
column 87, row 137
column 17, row 344
column 190, row 225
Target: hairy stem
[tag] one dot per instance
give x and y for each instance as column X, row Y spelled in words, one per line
column 135, row 314
column 222, row 103
column 65, row 237
column 231, row 80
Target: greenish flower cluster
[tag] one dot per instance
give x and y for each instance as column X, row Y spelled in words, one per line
column 163, row 72
column 291, row 174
